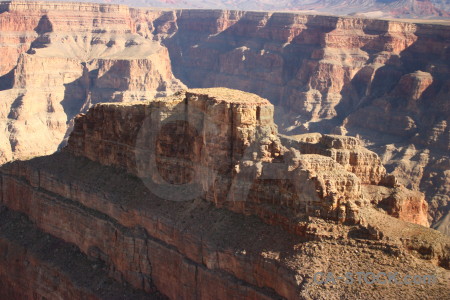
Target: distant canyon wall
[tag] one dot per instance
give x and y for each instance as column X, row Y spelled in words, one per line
column 59, row 59
column 386, row 81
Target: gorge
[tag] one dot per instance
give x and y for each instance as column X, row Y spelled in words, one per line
column 169, row 182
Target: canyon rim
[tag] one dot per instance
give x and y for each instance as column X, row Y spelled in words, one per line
column 222, row 154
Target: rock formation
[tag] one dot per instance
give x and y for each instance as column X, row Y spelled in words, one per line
column 385, row 81
column 146, row 139
column 200, row 219
column 428, row 9
column 59, row 59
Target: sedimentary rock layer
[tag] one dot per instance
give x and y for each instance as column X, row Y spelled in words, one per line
column 212, row 244
column 386, row 81
column 223, row 145
column 59, row 59
column 35, row 264
column 192, row 250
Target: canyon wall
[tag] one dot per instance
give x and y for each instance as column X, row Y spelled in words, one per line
column 426, row 9
column 384, row 81
column 36, row 265
column 152, row 192
column 59, row 59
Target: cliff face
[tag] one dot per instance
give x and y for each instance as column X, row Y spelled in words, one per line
column 427, row 9
column 35, row 264
column 223, row 145
column 191, row 226
column 58, row 59
column 384, row 81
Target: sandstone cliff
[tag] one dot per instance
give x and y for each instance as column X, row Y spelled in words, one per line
column 59, row 59
column 384, row 81
column 191, row 227
column 428, row 9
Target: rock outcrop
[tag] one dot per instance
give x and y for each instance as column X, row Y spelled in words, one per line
column 200, row 219
column 228, row 145
column 385, row 81
column 345, row 150
column 225, row 144
column 60, row 58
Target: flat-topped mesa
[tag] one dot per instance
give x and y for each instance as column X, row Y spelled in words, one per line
column 225, row 95
column 223, row 140
column 220, row 145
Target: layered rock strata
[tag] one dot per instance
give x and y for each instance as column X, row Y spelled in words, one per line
column 59, row 59
column 222, row 145
column 35, row 264
column 397, row 200
column 195, row 247
column 385, row 81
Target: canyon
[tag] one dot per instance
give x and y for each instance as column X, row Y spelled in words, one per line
column 56, row 65
column 385, row 82
column 424, row 9
column 255, row 220
column 200, row 154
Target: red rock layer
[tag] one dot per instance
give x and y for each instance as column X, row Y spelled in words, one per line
column 225, row 141
column 191, row 249
column 36, row 265
column 59, row 59
column 142, row 242
column 386, row 81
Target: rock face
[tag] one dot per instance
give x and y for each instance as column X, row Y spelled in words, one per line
column 198, row 221
column 233, row 143
column 385, row 81
column 345, row 150
column 59, row 59
column 225, row 144
column 34, row 264
column 372, row 9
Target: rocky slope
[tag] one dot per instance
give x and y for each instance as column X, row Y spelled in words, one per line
column 192, row 227
column 36, row 264
column 59, row 59
column 384, row 81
